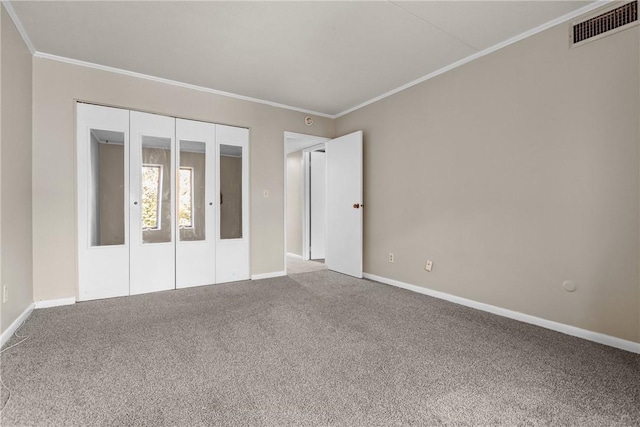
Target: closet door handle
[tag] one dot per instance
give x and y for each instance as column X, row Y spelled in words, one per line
column 135, row 203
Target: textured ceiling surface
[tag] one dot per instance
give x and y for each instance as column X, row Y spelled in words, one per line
column 319, row 56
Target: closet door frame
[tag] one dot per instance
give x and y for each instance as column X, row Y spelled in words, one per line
column 136, row 267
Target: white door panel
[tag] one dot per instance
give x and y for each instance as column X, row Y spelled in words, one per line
column 103, row 215
column 152, row 203
column 318, row 204
column 196, row 237
column 232, row 217
column 344, row 204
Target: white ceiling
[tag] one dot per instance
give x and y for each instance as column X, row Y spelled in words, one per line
column 325, row 57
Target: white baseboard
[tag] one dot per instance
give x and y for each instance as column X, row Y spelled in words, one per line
column 268, row 275
column 55, row 302
column 620, row 343
column 15, row 325
column 296, row 256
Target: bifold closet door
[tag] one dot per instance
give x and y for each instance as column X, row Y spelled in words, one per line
column 232, row 225
column 196, row 238
column 103, row 216
column 152, row 203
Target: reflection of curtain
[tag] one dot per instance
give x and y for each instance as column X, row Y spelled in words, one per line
column 160, row 157
column 151, row 189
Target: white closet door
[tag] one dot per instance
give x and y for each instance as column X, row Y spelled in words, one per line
column 152, row 203
column 232, row 225
column 103, row 214
column 196, row 237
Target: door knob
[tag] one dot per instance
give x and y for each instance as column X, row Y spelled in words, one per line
column 210, row 203
column 356, row 205
column 135, row 203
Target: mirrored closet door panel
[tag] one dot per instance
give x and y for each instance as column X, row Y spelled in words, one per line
column 196, row 211
column 103, row 216
column 152, row 203
column 232, row 225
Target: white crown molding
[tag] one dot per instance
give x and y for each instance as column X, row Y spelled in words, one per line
column 560, row 20
column 175, row 83
column 15, row 325
column 55, row 302
column 268, row 275
column 608, row 340
column 18, row 24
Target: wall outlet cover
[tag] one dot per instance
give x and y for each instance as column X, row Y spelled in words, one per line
column 428, row 265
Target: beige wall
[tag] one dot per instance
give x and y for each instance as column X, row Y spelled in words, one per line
column 56, row 85
column 514, row 173
column 111, row 194
column 15, row 172
column 295, row 187
column 231, row 193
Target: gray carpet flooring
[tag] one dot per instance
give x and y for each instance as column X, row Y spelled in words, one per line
column 315, row 349
column 298, row 266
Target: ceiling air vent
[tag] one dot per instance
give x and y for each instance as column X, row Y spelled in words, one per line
column 605, row 23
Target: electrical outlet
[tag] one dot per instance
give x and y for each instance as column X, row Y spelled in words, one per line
column 5, row 293
column 428, row 265
column 391, row 259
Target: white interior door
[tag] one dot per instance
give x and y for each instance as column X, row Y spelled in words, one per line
column 232, row 218
column 344, row 204
column 318, row 190
column 196, row 237
column 103, row 214
column 152, row 203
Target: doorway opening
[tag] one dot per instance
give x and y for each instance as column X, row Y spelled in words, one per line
column 323, row 219
column 305, row 194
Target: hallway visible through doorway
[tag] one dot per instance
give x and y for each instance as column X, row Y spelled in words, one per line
column 297, row 265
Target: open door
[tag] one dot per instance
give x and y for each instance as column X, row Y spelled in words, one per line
column 344, row 204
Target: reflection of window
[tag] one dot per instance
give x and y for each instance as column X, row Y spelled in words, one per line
column 186, row 198
column 151, row 191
